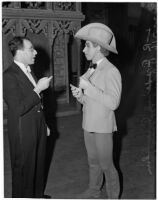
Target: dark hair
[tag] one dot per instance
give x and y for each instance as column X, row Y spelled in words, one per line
column 104, row 51
column 16, row 43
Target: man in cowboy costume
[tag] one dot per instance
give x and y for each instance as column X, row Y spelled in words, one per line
column 99, row 91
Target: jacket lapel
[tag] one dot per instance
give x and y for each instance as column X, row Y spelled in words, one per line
column 35, row 78
column 99, row 67
column 23, row 79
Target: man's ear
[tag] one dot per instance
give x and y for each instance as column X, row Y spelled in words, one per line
column 19, row 52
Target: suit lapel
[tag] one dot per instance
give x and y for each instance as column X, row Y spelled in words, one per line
column 23, row 79
column 35, row 78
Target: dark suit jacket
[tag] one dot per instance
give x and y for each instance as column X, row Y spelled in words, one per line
column 23, row 105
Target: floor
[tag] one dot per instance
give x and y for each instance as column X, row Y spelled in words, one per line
column 68, row 172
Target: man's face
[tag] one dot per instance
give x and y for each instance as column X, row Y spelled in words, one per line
column 89, row 50
column 28, row 53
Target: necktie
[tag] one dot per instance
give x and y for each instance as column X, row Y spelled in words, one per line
column 29, row 75
column 92, row 66
column 28, row 69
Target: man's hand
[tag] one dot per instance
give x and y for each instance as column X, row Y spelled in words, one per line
column 76, row 92
column 42, row 84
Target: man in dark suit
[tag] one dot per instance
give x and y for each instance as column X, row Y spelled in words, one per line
column 27, row 130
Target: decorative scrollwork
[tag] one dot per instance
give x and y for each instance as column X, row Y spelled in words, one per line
column 65, row 6
column 64, row 27
column 8, row 4
column 35, row 26
column 57, row 6
column 25, row 5
column 9, row 25
column 149, row 46
column 149, row 6
column 74, row 27
column 33, row 5
column 148, row 66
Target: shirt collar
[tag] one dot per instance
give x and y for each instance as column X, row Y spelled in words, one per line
column 23, row 67
column 99, row 61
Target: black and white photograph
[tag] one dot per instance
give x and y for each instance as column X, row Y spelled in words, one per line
column 79, row 85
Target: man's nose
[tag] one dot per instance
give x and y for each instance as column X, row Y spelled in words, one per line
column 84, row 49
column 35, row 52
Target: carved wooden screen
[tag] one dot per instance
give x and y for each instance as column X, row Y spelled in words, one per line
column 50, row 26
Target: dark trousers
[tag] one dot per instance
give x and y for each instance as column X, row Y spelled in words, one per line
column 99, row 148
column 28, row 161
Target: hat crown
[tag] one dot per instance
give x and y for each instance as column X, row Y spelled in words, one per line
column 99, row 34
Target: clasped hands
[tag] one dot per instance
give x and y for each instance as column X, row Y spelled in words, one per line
column 77, row 91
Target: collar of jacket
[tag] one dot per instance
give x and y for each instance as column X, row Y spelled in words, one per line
column 103, row 63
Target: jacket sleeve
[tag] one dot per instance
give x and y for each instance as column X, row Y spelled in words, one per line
column 111, row 96
column 13, row 97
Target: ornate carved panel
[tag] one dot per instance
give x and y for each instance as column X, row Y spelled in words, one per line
column 33, row 5
column 9, row 25
column 59, row 6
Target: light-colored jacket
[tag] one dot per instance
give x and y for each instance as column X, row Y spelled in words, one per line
column 101, row 98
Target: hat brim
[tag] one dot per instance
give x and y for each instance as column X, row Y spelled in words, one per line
column 82, row 34
column 106, row 46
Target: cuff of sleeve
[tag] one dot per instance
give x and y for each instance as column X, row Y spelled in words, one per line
column 37, row 94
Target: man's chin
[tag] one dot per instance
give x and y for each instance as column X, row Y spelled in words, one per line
column 33, row 62
column 88, row 58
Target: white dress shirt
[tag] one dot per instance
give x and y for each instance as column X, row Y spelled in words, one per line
column 27, row 71
column 99, row 61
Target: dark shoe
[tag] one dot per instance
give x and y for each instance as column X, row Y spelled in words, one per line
column 47, row 196
column 89, row 193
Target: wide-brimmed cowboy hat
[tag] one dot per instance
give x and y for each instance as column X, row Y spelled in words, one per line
column 99, row 33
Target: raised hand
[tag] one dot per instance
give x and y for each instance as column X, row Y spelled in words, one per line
column 43, row 84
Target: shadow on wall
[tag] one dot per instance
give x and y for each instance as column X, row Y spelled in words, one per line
column 50, row 109
column 133, row 80
column 50, row 96
column 132, row 84
column 42, row 62
column 41, row 69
